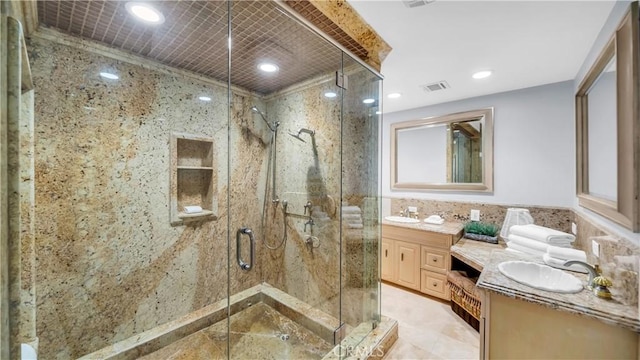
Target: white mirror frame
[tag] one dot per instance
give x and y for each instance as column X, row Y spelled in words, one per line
column 487, row 152
column 624, row 45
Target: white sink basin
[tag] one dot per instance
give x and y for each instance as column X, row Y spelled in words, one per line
column 541, row 277
column 402, row 219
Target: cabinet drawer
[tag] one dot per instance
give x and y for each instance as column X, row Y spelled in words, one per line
column 434, row 260
column 434, row 284
column 421, row 237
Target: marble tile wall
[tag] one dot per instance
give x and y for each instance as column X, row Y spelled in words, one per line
column 307, row 171
column 311, row 171
column 108, row 263
column 555, row 218
column 619, row 257
column 19, row 183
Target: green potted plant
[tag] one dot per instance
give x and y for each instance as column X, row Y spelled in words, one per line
column 477, row 230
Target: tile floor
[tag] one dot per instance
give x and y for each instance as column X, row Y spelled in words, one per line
column 427, row 328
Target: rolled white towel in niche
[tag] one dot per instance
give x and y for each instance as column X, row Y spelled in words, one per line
column 566, row 254
column 192, row 209
column 541, row 233
column 530, row 243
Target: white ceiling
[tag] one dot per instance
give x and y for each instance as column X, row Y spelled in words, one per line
column 525, row 43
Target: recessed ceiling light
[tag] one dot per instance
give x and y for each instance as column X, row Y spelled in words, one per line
column 482, row 74
column 108, row 75
column 268, row 67
column 145, row 12
column 330, row 94
column 369, row 101
column 394, row 95
column 204, row 98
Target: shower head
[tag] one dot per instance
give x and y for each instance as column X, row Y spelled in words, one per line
column 302, row 130
column 297, row 136
column 273, row 126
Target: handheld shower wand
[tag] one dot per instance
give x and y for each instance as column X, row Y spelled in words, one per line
column 273, row 126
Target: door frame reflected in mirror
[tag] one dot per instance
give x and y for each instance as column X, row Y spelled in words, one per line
column 486, row 185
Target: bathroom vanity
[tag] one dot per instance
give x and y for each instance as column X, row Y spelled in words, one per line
column 416, row 256
column 518, row 321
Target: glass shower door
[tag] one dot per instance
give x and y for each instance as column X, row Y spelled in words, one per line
column 361, row 112
column 284, row 186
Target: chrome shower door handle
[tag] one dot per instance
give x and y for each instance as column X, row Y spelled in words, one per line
column 252, row 243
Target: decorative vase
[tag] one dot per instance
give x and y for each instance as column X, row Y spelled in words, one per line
column 485, row 238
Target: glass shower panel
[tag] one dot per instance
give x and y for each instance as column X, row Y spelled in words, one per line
column 284, row 186
column 128, row 130
column 360, row 206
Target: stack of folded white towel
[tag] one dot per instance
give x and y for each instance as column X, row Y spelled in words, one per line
column 553, row 246
column 557, row 256
column 352, row 217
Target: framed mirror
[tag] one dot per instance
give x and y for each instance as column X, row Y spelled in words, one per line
column 452, row 152
column 607, row 130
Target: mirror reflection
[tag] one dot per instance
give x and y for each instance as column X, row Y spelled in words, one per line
column 602, row 135
column 444, row 153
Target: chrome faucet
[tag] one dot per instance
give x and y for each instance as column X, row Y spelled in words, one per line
column 308, row 206
column 404, row 212
column 310, row 223
column 594, row 271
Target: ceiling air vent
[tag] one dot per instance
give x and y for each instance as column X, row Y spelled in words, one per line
column 416, row 3
column 440, row 85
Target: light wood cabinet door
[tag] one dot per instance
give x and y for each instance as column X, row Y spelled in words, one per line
column 434, row 284
column 388, row 264
column 408, row 259
column 435, row 260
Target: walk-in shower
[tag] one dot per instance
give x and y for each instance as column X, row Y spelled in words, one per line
column 104, row 166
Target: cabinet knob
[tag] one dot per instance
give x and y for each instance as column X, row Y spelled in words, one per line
column 435, row 284
column 435, row 260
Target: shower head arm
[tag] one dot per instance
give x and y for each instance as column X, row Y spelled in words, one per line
column 308, row 131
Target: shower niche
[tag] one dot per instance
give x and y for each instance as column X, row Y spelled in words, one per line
column 192, row 178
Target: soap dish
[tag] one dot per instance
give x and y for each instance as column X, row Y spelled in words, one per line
column 434, row 221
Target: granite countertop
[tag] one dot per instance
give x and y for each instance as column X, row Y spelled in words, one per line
column 449, row 228
column 475, row 253
column 583, row 303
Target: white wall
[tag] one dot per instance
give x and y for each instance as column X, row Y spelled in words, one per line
column 534, row 146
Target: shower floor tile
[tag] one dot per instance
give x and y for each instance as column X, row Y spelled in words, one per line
column 258, row 332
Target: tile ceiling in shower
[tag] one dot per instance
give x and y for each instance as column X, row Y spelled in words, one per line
column 194, row 37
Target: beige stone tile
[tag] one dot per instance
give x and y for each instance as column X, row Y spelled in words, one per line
column 403, row 350
column 427, row 328
column 449, row 348
column 461, row 331
column 424, row 337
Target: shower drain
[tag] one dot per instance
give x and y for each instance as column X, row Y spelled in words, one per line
column 284, row 337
